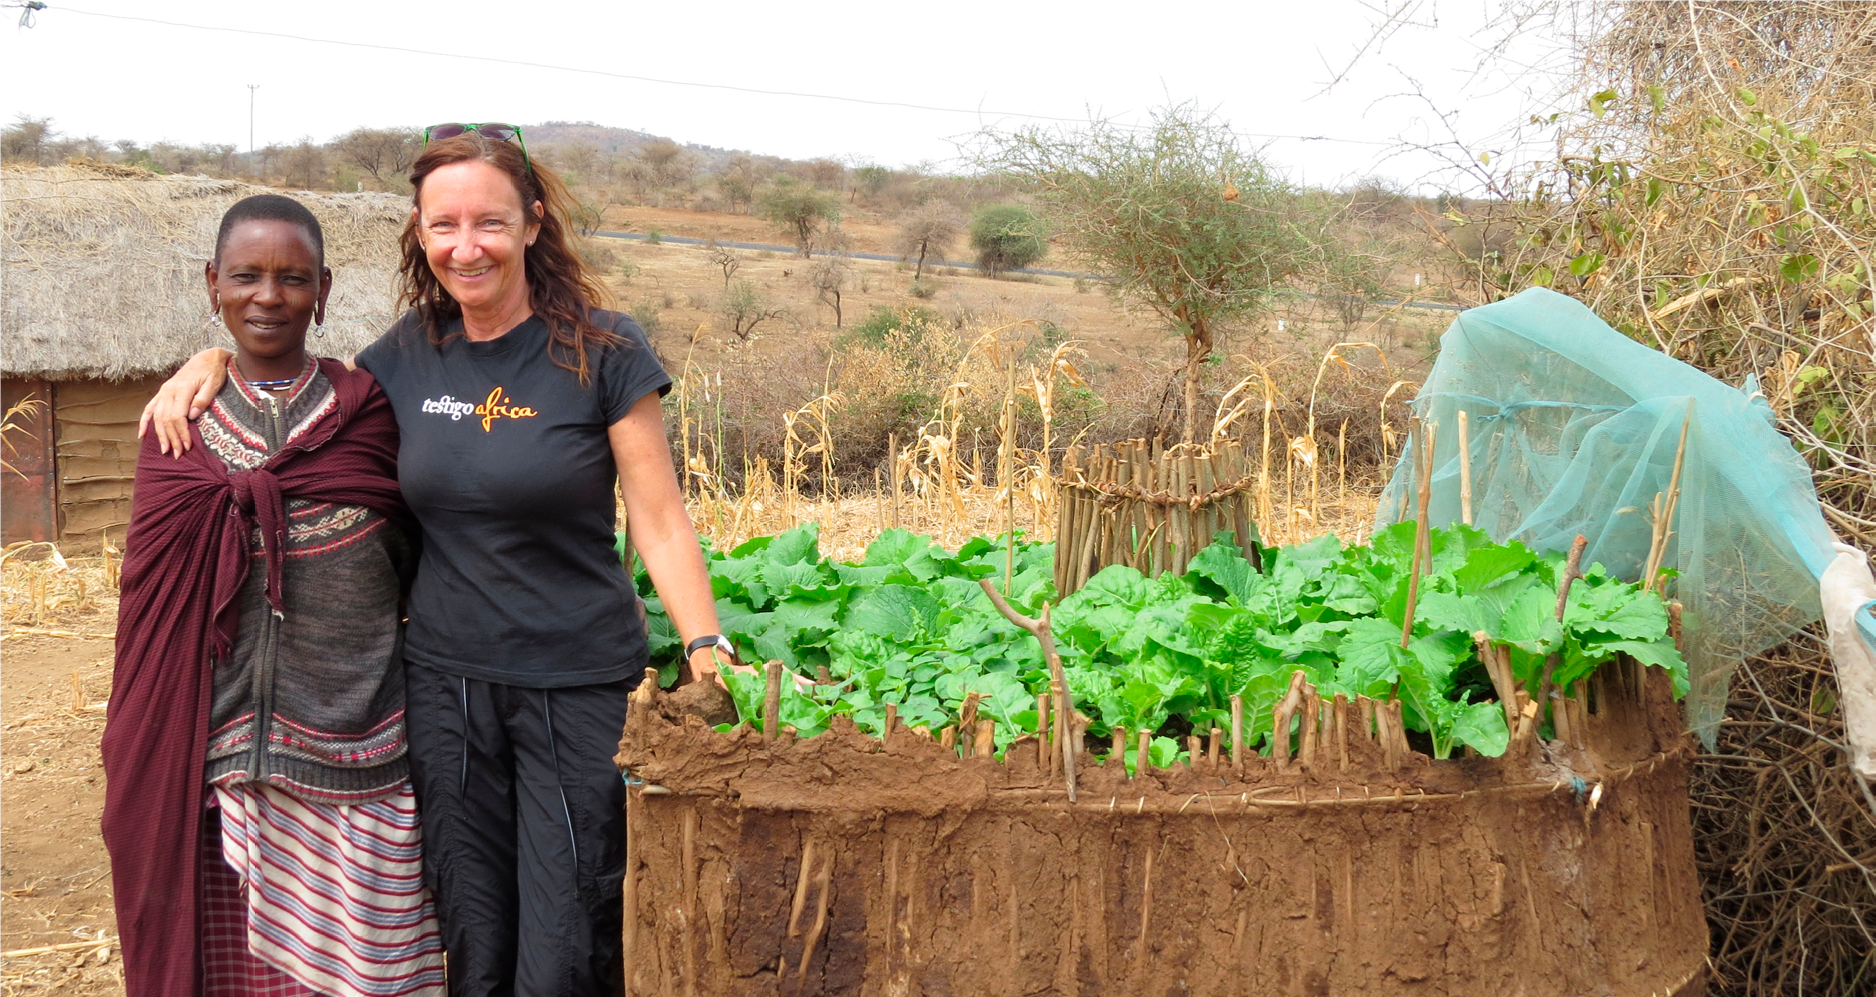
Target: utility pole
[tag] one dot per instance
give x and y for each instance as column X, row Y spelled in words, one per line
column 251, row 88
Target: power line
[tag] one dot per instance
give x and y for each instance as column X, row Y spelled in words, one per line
column 980, row 112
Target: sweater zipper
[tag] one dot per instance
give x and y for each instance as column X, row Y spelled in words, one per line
column 269, row 648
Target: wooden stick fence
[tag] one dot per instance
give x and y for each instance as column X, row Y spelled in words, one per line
column 1151, row 507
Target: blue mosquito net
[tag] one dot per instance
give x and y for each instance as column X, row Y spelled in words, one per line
column 1574, row 429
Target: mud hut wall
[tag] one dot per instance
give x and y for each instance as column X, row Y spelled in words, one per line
column 1502, row 895
column 96, row 426
column 29, row 493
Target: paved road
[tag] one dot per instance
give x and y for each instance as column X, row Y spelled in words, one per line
column 688, row 241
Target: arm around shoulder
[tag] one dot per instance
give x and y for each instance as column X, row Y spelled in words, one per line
column 184, row 397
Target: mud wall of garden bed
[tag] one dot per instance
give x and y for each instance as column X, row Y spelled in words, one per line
column 842, row 865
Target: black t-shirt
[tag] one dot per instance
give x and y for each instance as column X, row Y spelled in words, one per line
column 506, row 464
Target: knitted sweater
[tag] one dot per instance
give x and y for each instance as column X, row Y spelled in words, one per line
column 310, row 700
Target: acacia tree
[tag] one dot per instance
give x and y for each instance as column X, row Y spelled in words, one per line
column 829, row 279
column 744, row 307
column 737, row 180
column 1007, row 237
column 724, row 260
column 383, row 154
column 1180, row 217
column 26, row 138
column 800, row 208
column 869, row 179
column 929, row 230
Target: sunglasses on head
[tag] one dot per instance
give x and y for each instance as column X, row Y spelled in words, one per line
column 495, row 130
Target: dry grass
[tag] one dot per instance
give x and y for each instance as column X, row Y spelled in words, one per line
column 42, row 588
column 982, row 458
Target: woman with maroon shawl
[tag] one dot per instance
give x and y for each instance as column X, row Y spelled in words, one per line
column 259, row 812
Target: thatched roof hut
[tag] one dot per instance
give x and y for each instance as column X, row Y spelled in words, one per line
column 101, row 295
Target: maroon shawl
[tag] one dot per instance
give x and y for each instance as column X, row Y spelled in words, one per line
column 185, row 560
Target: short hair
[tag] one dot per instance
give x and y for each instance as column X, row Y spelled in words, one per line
column 271, row 208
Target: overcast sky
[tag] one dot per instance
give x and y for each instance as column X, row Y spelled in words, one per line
column 1260, row 64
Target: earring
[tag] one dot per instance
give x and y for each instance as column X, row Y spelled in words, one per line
column 214, row 319
column 319, row 328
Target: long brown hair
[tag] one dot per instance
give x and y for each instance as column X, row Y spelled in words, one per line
column 561, row 290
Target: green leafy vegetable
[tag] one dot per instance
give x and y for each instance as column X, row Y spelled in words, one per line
column 909, row 626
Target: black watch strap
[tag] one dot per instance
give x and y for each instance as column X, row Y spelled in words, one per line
column 718, row 641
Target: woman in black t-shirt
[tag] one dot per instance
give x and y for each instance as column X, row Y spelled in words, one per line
column 519, row 403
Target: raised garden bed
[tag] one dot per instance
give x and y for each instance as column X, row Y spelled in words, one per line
column 1273, row 777
column 847, row 864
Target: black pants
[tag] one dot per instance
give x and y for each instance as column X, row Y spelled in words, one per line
column 524, row 832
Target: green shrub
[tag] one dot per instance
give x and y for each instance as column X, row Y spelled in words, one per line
column 1007, row 237
column 649, row 315
column 883, row 321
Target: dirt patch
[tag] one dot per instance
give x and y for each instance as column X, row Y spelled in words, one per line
column 842, row 864
column 55, row 884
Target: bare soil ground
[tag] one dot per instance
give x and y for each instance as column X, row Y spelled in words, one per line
column 685, row 288
column 55, row 885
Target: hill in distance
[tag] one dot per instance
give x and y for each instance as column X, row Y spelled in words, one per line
column 616, row 141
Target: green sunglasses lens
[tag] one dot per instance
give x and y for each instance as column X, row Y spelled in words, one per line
column 437, row 133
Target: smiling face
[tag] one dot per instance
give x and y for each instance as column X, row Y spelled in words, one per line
column 475, row 235
column 269, row 286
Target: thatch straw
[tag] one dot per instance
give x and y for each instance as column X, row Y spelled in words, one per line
column 103, row 268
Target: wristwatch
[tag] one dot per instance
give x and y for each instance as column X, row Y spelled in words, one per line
column 715, row 641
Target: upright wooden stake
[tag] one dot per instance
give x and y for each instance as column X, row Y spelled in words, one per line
column 1143, row 754
column 1118, row 754
column 1044, row 728
column 1664, row 511
column 1527, row 720
column 1502, row 683
column 1312, row 727
column 986, row 746
column 1211, row 749
column 1384, row 719
column 1237, row 734
column 892, row 456
column 1058, row 732
column 1339, row 719
column 1281, row 716
column 1008, row 473
column 1397, row 748
column 772, row 701
column 1422, row 545
column 1341, row 463
column 1572, row 569
column 1465, row 470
